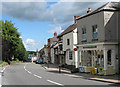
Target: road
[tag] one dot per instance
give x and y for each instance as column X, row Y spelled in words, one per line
column 35, row 74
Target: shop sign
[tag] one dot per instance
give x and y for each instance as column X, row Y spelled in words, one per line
column 92, row 71
column 100, row 70
column 90, row 47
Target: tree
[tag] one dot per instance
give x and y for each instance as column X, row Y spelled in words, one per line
column 12, row 44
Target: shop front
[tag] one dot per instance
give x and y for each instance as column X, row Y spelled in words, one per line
column 101, row 57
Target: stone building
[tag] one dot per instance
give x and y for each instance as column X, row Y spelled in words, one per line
column 98, row 38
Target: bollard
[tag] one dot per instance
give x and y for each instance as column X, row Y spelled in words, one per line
column 59, row 68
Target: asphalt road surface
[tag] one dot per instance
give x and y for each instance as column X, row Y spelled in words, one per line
column 35, row 74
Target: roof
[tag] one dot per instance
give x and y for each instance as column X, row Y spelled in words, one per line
column 110, row 6
column 69, row 29
column 54, row 45
column 42, row 49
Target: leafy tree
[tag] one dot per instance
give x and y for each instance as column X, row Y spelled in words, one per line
column 12, row 44
column 32, row 52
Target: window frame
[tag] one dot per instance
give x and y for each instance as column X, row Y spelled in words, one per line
column 109, row 57
column 68, row 41
column 70, row 55
column 95, row 31
column 84, row 34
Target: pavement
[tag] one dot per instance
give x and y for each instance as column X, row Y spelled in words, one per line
column 108, row 78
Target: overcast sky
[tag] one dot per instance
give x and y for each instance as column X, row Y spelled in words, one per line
column 37, row 21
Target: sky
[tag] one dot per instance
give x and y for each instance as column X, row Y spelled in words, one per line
column 37, row 20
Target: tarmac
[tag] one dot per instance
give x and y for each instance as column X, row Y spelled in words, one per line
column 104, row 78
column 108, row 78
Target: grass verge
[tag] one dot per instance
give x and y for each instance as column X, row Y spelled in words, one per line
column 4, row 63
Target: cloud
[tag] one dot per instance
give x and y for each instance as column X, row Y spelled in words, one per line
column 58, row 30
column 31, row 44
column 30, row 41
column 60, row 13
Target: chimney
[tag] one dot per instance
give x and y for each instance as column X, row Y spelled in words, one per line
column 75, row 17
column 55, row 34
column 89, row 10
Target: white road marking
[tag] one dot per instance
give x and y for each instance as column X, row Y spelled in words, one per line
column 0, row 81
column 55, row 82
column 31, row 72
column 3, row 69
column 37, row 76
column 26, row 69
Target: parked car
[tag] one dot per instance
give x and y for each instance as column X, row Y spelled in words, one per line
column 39, row 61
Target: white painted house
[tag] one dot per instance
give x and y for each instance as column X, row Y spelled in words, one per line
column 69, row 44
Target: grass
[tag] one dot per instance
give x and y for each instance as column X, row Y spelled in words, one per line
column 3, row 62
column 14, row 61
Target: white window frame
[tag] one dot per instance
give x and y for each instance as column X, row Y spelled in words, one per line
column 70, row 55
column 95, row 27
column 84, row 34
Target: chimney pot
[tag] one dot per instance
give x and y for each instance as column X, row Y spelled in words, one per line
column 55, row 34
column 89, row 10
column 75, row 17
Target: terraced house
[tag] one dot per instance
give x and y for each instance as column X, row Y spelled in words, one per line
column 98, row 38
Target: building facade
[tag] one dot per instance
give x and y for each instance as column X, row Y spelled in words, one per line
column 98, row 39
column 53, row 41
column 61, row 53
column 69, row 44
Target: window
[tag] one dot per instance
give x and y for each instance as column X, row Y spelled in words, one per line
column 60, row 38
column 83, row 33
column 83, row 30
column 68, row 41
column 109, row 57
column 70, row 55
column 60, row 46
column 95, row 32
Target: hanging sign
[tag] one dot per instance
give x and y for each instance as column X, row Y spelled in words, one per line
column 75, row 49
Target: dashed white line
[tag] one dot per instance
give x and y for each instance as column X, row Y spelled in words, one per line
column 29, row 72
column 41, row 77
column 55, row 82
column 26, row 69
column 37, row 76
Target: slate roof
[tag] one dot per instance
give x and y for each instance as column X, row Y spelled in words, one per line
column 110, row 6
column 69, row 29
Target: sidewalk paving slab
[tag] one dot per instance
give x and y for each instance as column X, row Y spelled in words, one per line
column 109, row 78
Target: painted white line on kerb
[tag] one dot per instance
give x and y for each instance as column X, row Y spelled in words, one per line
column 73, row 75
column 3, row 69
column 0, row 80
column 37, row 76
column 55, row 82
